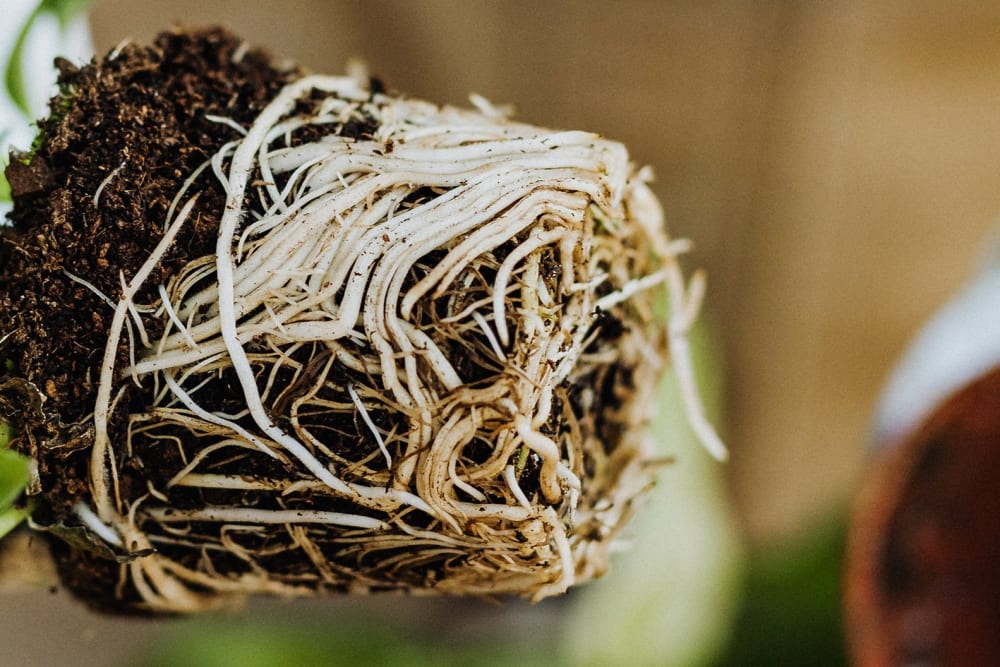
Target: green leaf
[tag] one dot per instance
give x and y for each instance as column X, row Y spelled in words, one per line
column 15, row 470
column 14, row 75
column 5, row 197
column 671, row 599
column 63, row 11
column 6, row 433
column 4, row 185
column 9, row 519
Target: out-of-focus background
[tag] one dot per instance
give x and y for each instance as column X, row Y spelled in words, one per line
column 837, row 165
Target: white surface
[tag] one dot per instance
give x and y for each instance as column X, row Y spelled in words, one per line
column 959, row 344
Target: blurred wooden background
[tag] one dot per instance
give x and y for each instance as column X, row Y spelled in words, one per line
column 836, row 164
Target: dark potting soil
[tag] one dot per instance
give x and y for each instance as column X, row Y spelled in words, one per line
column 129, row 128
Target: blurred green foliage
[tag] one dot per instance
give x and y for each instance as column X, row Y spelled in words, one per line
column 791, row 614
column 14, row 476
column 14, row 75
column 229, row 642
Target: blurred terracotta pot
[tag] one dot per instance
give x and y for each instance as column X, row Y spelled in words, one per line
column 923, row 565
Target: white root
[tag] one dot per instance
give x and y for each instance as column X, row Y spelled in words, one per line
column 249, row 516
column 445, row 274
column 363, row 411
column 100, row 451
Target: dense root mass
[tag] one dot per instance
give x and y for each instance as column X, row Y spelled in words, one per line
column 418, row 358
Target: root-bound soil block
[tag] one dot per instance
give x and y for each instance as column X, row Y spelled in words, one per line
column 283, row 333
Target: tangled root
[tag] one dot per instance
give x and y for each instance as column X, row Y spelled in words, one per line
column 420, row 360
